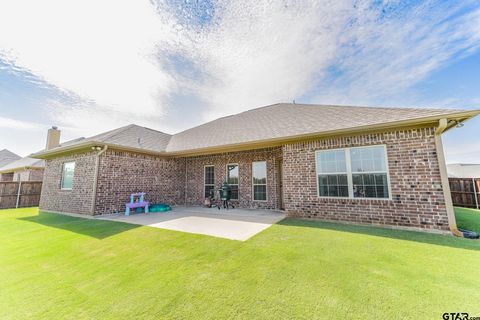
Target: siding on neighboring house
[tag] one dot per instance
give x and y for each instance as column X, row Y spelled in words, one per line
column 123, row 173
column 32, row 174
column 195, row 176
column 416, row 189
column 77, row 200
column 36, row 174
column 6, row 177
column 28, row 175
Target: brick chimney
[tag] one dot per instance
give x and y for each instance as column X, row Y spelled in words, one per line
column 53, row 138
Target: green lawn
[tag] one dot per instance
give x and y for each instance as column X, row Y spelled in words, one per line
column 468, row 219
column 55, row 267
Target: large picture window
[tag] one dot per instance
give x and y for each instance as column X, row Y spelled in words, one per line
column 259, row 180
column 209, row 181
column 68, row 171
column 233, row 180
column 359, row 172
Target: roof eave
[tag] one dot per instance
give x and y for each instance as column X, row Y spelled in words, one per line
column 46, row 154
column 85, row 145
column 11, row 170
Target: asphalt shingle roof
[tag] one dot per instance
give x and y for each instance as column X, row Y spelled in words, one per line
column 131, row 136
column 22, row 163
column 289, row 120
column 274, row 122
column 7, row 156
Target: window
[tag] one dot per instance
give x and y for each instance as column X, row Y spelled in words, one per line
column 359, row 172
column 332, row 174
column 209, row 181
column 67, row 175
column 259, row 180
column 232, row 180
column 369, row 172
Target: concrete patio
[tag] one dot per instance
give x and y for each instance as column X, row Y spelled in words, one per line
column 234, row 224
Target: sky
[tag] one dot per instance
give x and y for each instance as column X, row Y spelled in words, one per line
column 90, row 66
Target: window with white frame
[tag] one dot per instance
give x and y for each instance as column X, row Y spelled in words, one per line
column 68, row 171
column 332, row 173
column 233, row 180
column 359, row 172
column 209, row 181
column 369, row 172
column 259, row 180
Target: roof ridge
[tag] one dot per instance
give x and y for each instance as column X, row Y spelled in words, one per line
column 147, row 128
column 225, row 117
column 363, row 106
column 114, row 132
column 11, row 152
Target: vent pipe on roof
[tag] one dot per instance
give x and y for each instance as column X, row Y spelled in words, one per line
column 53, row 138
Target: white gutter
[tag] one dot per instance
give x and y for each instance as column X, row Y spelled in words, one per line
column 95, row 178
column 452, row 222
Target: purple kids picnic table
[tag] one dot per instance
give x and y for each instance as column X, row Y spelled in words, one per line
column 134, row 203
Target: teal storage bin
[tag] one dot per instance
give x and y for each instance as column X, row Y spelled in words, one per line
column 160, row 207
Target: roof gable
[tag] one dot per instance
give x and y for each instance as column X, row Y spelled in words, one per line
column 7, row 156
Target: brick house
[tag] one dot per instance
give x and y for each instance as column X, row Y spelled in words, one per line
column 382, row 166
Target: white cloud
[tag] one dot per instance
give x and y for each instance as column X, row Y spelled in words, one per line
column 383, row 57
column 8, row 123
column 101, row 51
column 112, row 57
column 258, row 53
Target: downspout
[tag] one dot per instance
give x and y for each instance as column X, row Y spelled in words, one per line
column 95, row 177
column 442, row 125
column 185, row 187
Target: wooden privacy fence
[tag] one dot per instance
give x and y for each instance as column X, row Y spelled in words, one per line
column 20, row 194
column 465, row 192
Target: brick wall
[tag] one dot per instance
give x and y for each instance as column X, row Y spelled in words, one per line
column 77, row 200
column 195, row 176
column 417, row 197
column 123, row 173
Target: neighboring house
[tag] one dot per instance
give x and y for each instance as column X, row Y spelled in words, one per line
column 380, row 166
column 7, row 156
column 465, row 184
column 463, row 170
column 24, row 169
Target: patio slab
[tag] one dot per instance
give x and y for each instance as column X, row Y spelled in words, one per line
column 234, row 224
